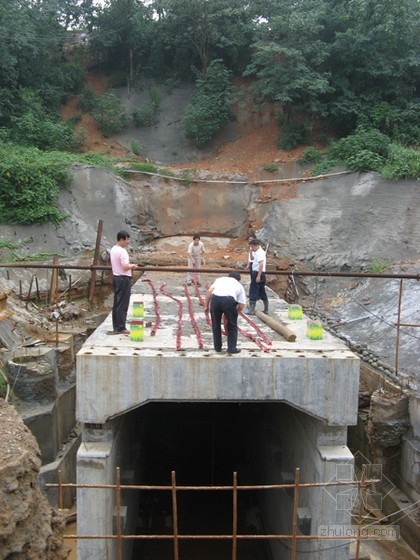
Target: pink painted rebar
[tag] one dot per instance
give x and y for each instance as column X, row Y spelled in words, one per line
column 155, row 328
column 256, row 327
column 179, row 302
column 257, row 341
column 197, row 291
column 193, row 321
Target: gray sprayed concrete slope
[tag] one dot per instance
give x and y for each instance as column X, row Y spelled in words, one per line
column 351, row 220
column 309, row 390
column 115, row 374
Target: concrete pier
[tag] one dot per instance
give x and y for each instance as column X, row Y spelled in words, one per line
column 309, row 389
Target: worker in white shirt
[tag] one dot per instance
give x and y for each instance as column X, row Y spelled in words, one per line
column 258, row 278
column 226, row 296
column 196, row 252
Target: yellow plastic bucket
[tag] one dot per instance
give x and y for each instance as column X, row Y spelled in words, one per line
column 314, row 330
column 295, row 312
column 138, row 309
column 136, row 331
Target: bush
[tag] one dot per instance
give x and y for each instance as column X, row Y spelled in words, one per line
column 29, row 185
column 209, row 109
column 87, row 100
column 136, row 147
column 80, row 137
column 311, row 155
column 362, row 139
column 370, row 150
column 399, row 121
column 365, row 160
column 74, row 76
column 402, row 163
column 270, row 167
column 33, row 126
column 293, row 136
column 145, row 116
column 110, row 114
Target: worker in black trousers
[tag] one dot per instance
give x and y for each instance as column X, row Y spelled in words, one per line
column 226, row 296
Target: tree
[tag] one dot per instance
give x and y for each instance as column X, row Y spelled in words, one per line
column 346, row 60
column 209, row 29
column 289, row 59
column 209, row 109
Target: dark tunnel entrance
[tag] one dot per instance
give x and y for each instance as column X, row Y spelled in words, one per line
column 204, row 443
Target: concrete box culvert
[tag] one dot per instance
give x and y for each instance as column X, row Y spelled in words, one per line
column 204, row 443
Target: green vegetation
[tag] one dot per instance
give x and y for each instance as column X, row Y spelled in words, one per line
column 311, row 155
column 377, row 267
column 110, row 114
column 29, row 184
column 271, row 167
column 3, row 384
column 148, row 167
column 30, row 180
column 136, row 147
column 38, row 257
column 293, row 135
column 147, row 115
column 402, row 163
column 371, row 150
column 5, row 244
column 87, row 99
column 209, row 109
column 353, row 66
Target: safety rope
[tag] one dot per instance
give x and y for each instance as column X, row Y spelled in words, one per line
column 179, row 302
column 157, row 323
column 193, row 321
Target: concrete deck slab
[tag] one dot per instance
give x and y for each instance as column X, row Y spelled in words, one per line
column 115, row 375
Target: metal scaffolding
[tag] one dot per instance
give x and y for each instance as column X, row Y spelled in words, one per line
column 174, row 489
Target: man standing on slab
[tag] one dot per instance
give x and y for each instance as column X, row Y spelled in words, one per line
column 225, row 296
column 196, row 252
column 121, row 282
column 257, row 286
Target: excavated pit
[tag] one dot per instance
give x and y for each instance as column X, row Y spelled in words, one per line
column 314, row 232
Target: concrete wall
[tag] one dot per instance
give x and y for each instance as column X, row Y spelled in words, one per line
column 288, row 439
column 52, row 423
column 110, row 382
column 117, row 444
column 96, row 462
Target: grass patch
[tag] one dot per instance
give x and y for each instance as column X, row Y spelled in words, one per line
column 271, row 167
column 148, row 167
column 377, row 267
column 3, row 384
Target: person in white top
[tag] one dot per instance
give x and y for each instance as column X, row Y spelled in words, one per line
column 250, row 254
column 121, row 282
column 195, row 251
column 258, row 278
column 226, row 296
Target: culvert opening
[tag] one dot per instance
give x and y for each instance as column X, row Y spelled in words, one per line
column 204, row 443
